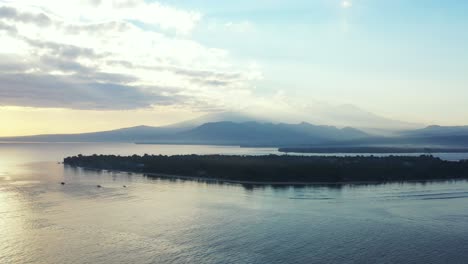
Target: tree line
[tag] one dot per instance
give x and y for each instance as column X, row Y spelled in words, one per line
column 284, row 168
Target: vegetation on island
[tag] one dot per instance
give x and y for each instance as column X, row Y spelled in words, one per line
column 285, row 169
column 372, row 149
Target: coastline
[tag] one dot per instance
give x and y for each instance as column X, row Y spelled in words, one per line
column 280, row 170
column 265, row 183
column 370, row 150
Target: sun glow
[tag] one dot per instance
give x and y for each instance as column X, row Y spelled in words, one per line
column 346, row 4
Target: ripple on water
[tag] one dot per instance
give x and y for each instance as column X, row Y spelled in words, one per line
column 167, row 221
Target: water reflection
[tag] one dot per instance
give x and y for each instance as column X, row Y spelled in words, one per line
column 165, row 220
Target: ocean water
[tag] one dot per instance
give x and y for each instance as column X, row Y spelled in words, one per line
column 174, row 221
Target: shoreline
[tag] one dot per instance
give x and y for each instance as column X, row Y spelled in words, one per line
column 372, row 150
column 281, row 170
column 264, row 183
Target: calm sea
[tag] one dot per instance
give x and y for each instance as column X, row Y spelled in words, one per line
column 174, row 221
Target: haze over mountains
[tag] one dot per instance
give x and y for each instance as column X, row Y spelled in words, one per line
column 435, row 131
column 240, row 129
column 354, row 116
column 224, row 132
column 255, row 133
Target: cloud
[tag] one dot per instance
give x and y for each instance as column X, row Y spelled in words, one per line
column 8, row 28
column 47, row 91
column 63, row 50
column 182, row 71
column 12, row 14
column 128, row 54
column 11, row 64
column 151, row 13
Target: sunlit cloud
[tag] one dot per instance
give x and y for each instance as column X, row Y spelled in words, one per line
column 110, row 54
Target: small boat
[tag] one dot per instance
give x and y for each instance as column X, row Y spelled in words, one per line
column 63, row 183
column 99, row 186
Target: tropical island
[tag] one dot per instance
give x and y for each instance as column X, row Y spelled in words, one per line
column 371, row 149
column 274, row 169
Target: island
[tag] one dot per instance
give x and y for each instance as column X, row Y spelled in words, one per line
column 371, row 149
column 280, row 169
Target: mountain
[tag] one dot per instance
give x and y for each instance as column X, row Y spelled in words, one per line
column 342, row 115
column 137, row 133
column 237, row 117
column 364, row 120
column 243, row 129
column 437, row 131
column 225, row 132
column 130, row 134
column 255, row 133
column 434, row 135
column 431, row 136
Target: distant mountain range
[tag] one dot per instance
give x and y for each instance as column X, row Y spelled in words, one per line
column 436, row 131
column 238, row 129
column 225, row 132
column 255, row 133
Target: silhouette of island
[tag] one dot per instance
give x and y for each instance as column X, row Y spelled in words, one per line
column 281, row 169
column 372, row 149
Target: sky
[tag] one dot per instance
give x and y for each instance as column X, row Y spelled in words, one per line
column 90, row 65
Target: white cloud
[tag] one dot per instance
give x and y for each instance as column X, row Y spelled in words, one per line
column 119, row 47
column 98, row 11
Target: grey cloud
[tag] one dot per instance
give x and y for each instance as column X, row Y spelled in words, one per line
column 27, row 81
column 206, row 74
column 64, row 50
column 68, row 92
column 63, row 57
column 97, row 28
column 46, row 63
column 211, row 78
column 25, row 17
column 89, row 74
column 12, row 30
column 82, row 88
column 209, row 82
column 53, row 63
column 110, row 77
column 12, row 64
column 42, row 20
column 204, row 105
